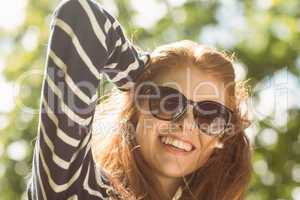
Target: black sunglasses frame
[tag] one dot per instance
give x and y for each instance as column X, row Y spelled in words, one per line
column 183, row 110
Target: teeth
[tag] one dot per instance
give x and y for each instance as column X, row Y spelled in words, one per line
column 176, row 143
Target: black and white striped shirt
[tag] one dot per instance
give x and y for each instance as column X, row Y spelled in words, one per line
column 85, row 41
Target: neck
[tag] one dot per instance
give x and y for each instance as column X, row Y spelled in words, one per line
column 168, row 185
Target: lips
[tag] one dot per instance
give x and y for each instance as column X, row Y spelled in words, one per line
column 176, row 143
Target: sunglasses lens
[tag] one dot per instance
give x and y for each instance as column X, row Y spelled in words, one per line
column 211, row 117
column 166, row 103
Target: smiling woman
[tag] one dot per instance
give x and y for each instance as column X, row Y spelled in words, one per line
column 180, row 135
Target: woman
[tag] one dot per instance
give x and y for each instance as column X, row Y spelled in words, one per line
column 170, row 143
column 178, row 133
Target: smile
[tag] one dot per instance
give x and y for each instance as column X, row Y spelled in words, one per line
column 176, row 144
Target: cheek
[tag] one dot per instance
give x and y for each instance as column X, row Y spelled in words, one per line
column 145, row 132
column 147, row 141
column 208, row 143
column 206, row 147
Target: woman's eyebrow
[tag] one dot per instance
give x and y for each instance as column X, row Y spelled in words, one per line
column 172, row 88
column 169, row 87
column 177, row 91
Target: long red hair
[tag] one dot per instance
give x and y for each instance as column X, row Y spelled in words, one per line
column 226, row 173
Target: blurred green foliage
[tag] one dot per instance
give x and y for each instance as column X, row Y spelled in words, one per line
column 264, row 35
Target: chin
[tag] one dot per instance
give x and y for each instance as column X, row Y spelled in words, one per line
column 175, row 170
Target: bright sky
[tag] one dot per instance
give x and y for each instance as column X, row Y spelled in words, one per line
column 12, row 13
column 6, row 104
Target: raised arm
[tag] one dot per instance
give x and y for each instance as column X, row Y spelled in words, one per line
column 85, row 40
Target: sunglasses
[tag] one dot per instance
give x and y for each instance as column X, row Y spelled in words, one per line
column 168, row 104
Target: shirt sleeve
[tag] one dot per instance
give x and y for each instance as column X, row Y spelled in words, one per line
column 85, row 41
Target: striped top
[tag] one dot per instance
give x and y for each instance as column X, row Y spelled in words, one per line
column 85, row 41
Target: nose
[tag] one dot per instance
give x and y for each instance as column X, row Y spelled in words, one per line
column 187, row 122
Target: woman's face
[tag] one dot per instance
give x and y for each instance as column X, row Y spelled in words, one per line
column 164, row 159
